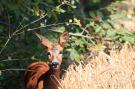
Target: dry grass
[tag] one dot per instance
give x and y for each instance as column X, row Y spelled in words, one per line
column 114, row 71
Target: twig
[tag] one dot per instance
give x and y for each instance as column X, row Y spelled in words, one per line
column 84, row 29
column 13, row 60
column 43, row 27
column 5, row 44
column 20, row 24
column 28, row 25
column 47, row 26
column 16, row 70
column 108, row 57
column 17, row 30
column 75, row 34
column 9, row 26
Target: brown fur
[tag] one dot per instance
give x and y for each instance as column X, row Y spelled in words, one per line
column 44, row 75
column 32, row 77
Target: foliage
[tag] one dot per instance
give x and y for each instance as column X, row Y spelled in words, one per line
column 89, row 22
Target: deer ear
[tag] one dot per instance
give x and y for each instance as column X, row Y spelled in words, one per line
column 44, row 41
column 63, row 38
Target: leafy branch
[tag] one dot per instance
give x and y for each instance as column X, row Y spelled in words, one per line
column 18, row 30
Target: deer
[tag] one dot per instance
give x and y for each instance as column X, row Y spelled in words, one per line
column 46, row 75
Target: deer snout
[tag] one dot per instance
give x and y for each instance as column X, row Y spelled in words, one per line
column 55, row 65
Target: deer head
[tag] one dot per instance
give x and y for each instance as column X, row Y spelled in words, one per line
column 54, row 50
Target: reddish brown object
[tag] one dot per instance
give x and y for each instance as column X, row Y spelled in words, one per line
column 42, row 75
column 32, row 77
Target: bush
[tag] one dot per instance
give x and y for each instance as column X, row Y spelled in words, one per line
column 90, row 23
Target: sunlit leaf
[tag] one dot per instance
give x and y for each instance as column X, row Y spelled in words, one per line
column 74, row 55
column 129, row 38
column 111, row 33
column 77, row 21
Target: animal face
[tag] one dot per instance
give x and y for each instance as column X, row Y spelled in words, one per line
column 54, row 50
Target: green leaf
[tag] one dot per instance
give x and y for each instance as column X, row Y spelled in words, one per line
column 97, row 29
column 74, row 55
column 73, row 6
column 60, row 28
column 36, row 10
column 77, row 22
column 129, row 38
column 79, row 42
column 100, row 14
column 62, row 10
column 92, row 14
column 59, row 10
column 111, row 33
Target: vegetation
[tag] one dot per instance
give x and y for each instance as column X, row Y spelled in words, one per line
column 103, row 71
column 93, row 25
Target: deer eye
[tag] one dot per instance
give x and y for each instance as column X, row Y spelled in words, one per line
column 48, row 53
column 61, row 52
